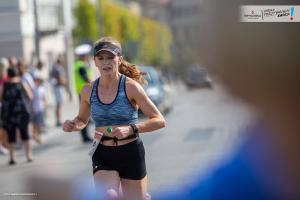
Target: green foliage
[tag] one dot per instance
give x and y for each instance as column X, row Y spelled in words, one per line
column 129, row 25
column 148, row 51
column 86, row 22
column 110, row 20
column 143, row 40
column 165, row 45
column 155, row 43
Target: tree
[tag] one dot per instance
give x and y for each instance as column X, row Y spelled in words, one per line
column 143, row 40
column 110, row 20
column 86, row 28
column 119, row 23
column 130, row 32
column 155, row 44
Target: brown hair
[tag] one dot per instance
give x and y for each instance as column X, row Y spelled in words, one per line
column 128, row 69
column 22, row 66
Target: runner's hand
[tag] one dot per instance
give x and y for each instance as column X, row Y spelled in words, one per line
column 69, row 126
column 121, row 132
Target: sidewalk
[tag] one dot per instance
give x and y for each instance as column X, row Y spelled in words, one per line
column 69, row 111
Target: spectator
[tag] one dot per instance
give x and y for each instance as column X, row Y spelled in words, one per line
column 15, row 112
column 37, row 70
column 38, row 107
column 13, row 61
column 26, row 77
column 59, row 82
column 4, row 64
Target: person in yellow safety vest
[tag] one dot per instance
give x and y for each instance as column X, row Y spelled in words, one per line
column 82, row 74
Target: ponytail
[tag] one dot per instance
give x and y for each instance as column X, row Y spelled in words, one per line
column 131, row 71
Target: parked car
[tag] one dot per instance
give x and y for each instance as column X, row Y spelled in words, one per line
column 156, row 88
column 197, row 76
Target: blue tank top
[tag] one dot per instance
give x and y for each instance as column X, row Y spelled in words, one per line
column 119, row 112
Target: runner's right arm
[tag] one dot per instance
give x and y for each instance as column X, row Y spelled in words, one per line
column 81, row 120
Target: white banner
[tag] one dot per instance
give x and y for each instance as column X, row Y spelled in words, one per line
column 271, row 13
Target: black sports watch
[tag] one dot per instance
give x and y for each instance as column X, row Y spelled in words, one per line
column 135, row 130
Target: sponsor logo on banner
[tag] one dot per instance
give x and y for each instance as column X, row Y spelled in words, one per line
column 271, row 13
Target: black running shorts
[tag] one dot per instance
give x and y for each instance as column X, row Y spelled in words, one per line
column 128, row 160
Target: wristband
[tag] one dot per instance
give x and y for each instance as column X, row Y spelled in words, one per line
column 135, row 130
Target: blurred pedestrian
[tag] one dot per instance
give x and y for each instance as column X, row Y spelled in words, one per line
column 113, row 101
column 26, row 77
column 40, row 71
column 37, row 70
column 82, row 73
column 59, row 81
column 258, row 63
column 4, row 64
column 13, row 61
column 38, row 108
column 16, row 112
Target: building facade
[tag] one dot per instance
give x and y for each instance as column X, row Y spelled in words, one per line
column 19, row 33
column 187, row 21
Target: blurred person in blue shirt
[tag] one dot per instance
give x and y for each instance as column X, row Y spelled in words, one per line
column 258, row 63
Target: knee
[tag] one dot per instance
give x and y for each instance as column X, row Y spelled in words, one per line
column 112, row 194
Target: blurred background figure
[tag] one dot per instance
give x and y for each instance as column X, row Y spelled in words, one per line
column 13, row 61
column 58, row 80
column 37, row 69
column 82, row 74
column 258, row 63
column 28, row 82
column 38, row 108
column 26, row 77
column 41, row 71
column 52, row 186
column 4, row 64
column 15, row 113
